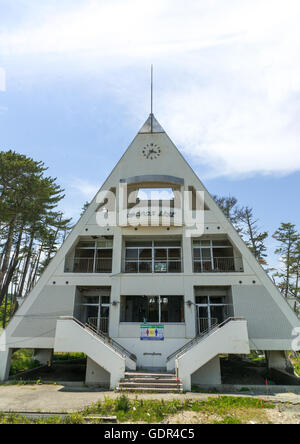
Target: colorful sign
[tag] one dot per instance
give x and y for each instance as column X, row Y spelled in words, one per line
column 152, row 332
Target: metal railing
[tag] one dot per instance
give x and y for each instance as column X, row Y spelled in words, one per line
column 205, row 324
column 99, row 323
column 104, row 338
column 90, row 265
column 218, row 265
column 181, row 351
column 155, row 266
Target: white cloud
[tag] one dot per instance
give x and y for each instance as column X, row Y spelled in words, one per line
column 229, row 72
column 84, row 188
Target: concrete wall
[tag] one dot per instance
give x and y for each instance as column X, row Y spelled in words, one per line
column 96, row 375
column 71, row 337
column 232, row 338
column 268, row 326
column 208, row 374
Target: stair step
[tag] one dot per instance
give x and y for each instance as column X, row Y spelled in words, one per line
column 149, row 385
column 147, row 389
column 151, row 380
column 149, row 375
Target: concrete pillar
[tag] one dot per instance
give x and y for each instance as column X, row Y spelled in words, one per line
column 187, row 253
column 114, row 311
column 190, row 314
column 5, row 359
column 117, row 252
column 44, row 356
column 96, row 375
column 208, row 374
column 277, row 359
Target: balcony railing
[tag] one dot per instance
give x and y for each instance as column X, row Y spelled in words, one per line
column 100, row 324
column 218, row 265
column 89, row 265
column 155, row 266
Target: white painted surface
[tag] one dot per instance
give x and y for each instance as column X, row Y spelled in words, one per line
column 71, row 337
column 232, row 338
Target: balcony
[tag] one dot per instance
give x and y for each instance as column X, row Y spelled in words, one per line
column 153, row 257
column 90, row 256
column 218, row 265
column 89, row 265
column 216, row 256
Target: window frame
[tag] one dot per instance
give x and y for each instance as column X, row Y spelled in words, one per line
column 153, row 260
column 160, row 297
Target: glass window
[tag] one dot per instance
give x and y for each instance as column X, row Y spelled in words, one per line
column 86, row 244
column 160, row 253
column 146, row 309
column 145, row 267
column 165, row 260
column 160, row 267
column 201, row 300
column 131, row 267
column 172, row 308
column 132, row 253
column 175, row 253
column 145, row 253
column 85, row 253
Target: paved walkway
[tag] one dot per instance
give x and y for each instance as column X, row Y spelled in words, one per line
column 57, row 398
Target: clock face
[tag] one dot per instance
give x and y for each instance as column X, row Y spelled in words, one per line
column 151, row 151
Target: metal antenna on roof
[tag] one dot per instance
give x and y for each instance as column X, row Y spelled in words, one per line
column 151, row 99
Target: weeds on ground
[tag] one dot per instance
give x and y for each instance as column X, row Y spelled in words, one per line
column 152, row 410
column 227, row 410
column 22, row 360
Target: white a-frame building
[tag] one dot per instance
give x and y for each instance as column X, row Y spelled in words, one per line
column 161, row 284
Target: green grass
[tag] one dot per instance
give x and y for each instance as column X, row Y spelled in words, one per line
column 150, row 411
column 61, row 357
column 296, row 363
column 227, row 410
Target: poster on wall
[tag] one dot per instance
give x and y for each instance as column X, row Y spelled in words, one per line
column 152, row 332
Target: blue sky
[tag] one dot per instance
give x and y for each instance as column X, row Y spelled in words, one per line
column 74, row 91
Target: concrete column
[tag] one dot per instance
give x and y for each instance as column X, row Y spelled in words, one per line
column 96, row 375
column 114, row 311
column 117, row 252
column 187, row 253
column 44, row 356
column 277, row 359
column 208, row 374
column 5, row 359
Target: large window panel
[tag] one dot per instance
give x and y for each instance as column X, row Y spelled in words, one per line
column 172, row 308
column 153, row 257
column 151, row 309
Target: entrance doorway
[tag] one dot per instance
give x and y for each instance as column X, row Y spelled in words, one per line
column 210, row 312
column 94, row 309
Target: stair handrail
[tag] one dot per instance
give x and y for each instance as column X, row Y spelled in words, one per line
column 201, row 336
column 105, row 338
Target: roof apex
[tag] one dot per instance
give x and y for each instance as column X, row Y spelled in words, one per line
column 151, row 126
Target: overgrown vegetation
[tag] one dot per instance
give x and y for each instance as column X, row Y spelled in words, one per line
column 23, row 360
column 220, row 410
column 152, row 411
column 295, row 359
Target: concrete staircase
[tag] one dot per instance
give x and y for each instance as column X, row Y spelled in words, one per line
column 150, row 382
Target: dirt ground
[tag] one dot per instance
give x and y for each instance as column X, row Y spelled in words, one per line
column 278, row 415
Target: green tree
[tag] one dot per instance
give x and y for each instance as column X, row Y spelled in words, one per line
column 289, row 238
column 28, row 202
column 251, row 234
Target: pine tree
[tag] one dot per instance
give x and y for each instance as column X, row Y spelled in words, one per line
column 289, row 239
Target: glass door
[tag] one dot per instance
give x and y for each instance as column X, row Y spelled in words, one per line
column 210, row 312
column 203, row 320
column 103, row 317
